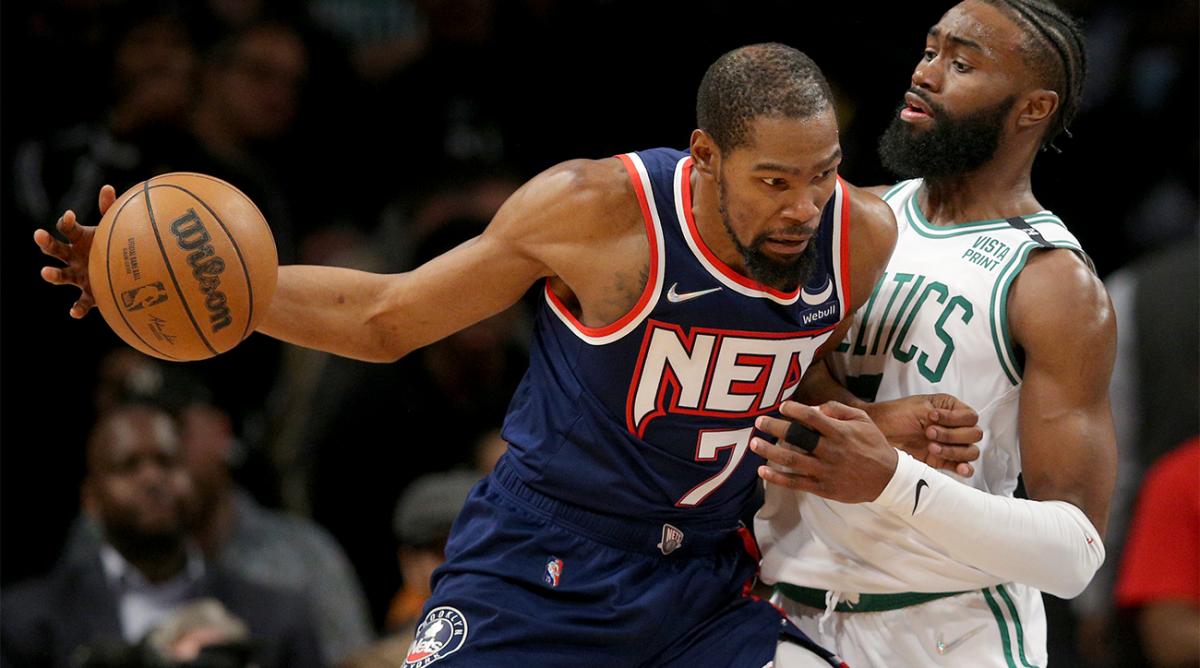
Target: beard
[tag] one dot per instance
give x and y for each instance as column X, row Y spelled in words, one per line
column 952, row 146
column 784, row 276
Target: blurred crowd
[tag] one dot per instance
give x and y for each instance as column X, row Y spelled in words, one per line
column 207, row 498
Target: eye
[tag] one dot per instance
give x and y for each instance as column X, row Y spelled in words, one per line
column 961, row 67
column 929, row 54
column 774, row 181
column 826, row 174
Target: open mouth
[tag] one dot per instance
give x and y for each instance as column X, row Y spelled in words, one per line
column 915, row 109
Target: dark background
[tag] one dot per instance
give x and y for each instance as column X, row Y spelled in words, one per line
column 488, row 88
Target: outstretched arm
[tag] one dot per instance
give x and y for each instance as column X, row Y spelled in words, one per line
column 540, row 231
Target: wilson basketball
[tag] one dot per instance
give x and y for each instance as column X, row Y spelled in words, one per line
column 183, row 266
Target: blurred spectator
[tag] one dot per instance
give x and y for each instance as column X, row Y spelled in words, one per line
column 384, row 35
column 1159, row 582
column 231, row 528
column 267, row 547
column 202, row 632
column 1155, row 394
column 422, row 523
column 142, row 133
column 140, row 496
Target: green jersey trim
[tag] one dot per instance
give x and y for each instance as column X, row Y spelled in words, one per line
column 1005, row 641
column 894, row 189
column 926, row 229
column 998, row 307
column 1012, row 610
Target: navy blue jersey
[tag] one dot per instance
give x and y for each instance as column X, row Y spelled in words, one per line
column 651, row 416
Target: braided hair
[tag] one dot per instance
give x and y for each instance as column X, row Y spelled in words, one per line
column 1054, row 50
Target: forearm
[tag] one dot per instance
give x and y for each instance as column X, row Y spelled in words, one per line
column 1050, row 545
column 331, row 309
column 819, row 386
column 1170, row 633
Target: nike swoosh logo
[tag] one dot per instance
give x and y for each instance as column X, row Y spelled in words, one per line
column 921, row 484
column 676, row 297
column 944, row 647
column 819, row 298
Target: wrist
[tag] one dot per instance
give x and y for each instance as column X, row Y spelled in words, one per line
column 897, row 495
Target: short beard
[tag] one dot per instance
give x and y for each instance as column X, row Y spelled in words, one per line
column 951, row 147
column 782, row 276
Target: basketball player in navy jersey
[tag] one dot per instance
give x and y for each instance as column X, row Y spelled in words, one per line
column 685, row 294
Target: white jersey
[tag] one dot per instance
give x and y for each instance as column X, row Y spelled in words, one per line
column 936, row 322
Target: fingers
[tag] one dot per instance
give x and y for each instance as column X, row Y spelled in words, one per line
column 107, row 196
column 795, row 461
column 954, row 435
column 49, row 245
column 81, row 307
column 820, row 418
column 69, row 227
column 955, row 453
column 55, row 276
column 794, row 481
column 952, row 414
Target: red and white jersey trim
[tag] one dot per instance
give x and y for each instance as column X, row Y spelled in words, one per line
column 736, row 281
column 649, row 299
column 841, row 246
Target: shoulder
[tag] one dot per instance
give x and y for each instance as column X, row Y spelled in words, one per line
column 1058, row 297
column 587, row 188
column 872, row 228
column 869, row 211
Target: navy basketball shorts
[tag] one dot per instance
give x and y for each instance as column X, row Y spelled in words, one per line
column 532, row 582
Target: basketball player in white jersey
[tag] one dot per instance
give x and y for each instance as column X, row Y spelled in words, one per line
column 987, row 297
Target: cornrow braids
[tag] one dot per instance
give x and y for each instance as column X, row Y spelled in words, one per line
column 1054, row 49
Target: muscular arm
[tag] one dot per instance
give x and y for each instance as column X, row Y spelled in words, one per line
column 542, row 230
column 1060, row 316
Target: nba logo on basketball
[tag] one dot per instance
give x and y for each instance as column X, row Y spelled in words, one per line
column 554, row 569
column 672, row 539
column 441, row 634
column 143, row 296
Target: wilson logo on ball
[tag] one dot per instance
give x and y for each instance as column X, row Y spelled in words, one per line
column 206, row 266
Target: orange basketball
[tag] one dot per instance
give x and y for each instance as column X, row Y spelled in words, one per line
column 183, row 266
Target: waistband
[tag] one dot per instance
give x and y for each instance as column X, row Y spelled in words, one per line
column 816, row 598
column 626, row 533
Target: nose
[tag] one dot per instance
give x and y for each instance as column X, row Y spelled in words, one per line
column 804, row 207
column 927, row 75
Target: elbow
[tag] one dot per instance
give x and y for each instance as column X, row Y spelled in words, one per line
column 1082, row 558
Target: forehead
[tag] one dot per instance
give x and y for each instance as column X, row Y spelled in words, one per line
column 978, row 25
column 797, row 142
column 137, row 434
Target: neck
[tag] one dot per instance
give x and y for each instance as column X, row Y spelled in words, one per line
column 216, row 526
column 706, row 211
column 157, row 560
column 998, row 189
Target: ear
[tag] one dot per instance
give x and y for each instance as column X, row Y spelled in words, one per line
column 706, row 157
column 1036, row 107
